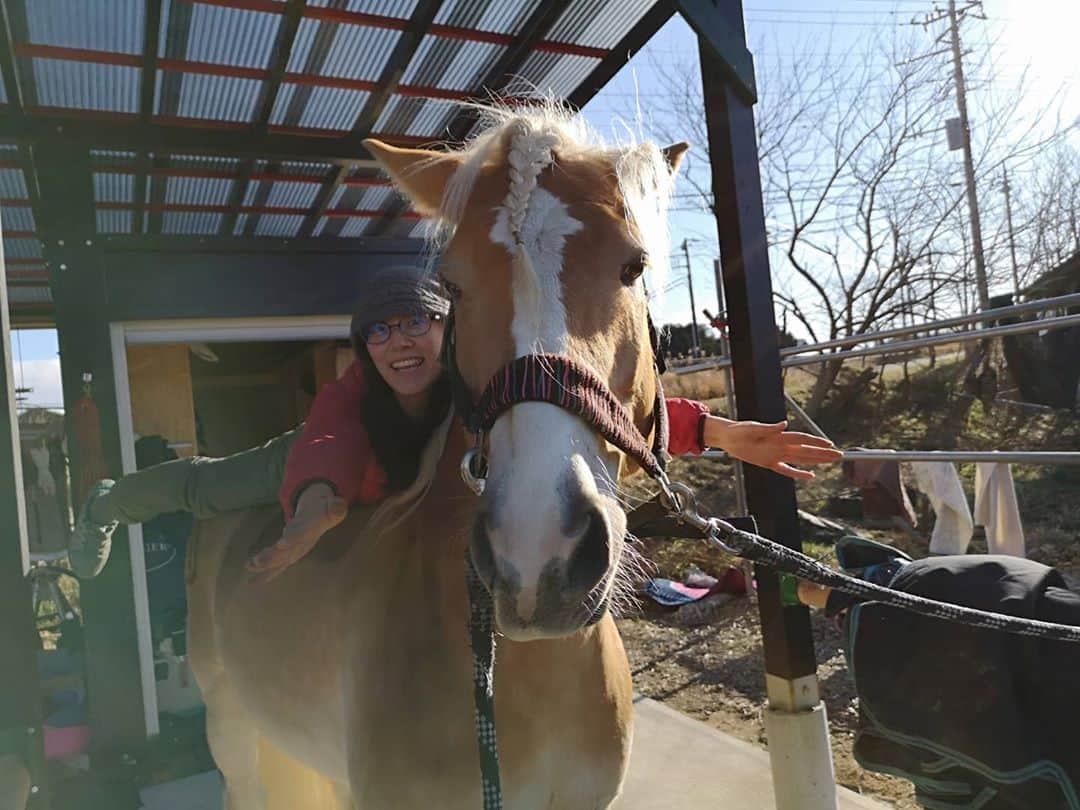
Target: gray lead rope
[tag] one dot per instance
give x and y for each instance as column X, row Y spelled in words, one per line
column 482, row 640
column 762, row 550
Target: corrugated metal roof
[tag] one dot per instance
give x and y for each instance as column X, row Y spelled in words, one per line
column 326, row 108
column 384, row 8
column 320, row 226
column 310, row 169
column 355, row 226
column 90, row 24
column 556, row 73
column 441, row 62
column 29, row 295
column 501, row 16
column 355, row 52
column 416, row 116
column 109, row 187
column 232, row 36
column 190, row 223
column 241, row 223
column 86, row 86
column 17, row 218
column 22, row 249
column 197, row 190
column 3, row 92
column 376, row 198
column 292, row 195
column 219, row 98
column 278, row 225
column 204, row 162
column 598, row 23
column 115, row 221
column 13, row 183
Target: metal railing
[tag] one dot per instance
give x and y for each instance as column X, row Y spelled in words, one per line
column 888, row 347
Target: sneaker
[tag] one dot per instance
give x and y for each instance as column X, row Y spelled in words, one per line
column 90, row 542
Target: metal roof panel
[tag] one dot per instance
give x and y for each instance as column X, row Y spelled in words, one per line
column 86, row 86
column 232, row 36
column 416, row 116
column 109, row 187
column 359, row 52
column 501, row 17
column 292, row 195
column 554, row 73
column 29, row 295
column 441, row 62
column 355, row 226
column 89, row 24
column 598, row 23
column 22, row 249
column 190, row 223
column 114, row 221
column 197, row 190
column 327, row 107
column 13, row 183
column 383, row 8
column 278, row 225
column 218, row 98
column 17, row 218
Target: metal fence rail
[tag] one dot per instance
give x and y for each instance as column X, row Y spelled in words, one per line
column 950, row 456
column 1041, row 325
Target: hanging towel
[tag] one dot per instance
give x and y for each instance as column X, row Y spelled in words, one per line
column 940, row 483
column 996, row 509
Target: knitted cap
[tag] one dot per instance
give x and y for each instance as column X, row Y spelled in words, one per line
column 398, row 290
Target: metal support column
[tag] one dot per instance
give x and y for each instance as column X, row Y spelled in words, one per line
column 63, row 174
column 21, row 754
column 795, row 723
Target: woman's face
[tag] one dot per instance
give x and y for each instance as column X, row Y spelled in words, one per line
column 409, row 364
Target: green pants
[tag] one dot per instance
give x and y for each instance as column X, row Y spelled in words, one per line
column 205, row 487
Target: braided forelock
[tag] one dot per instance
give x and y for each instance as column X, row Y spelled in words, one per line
column 529, row 154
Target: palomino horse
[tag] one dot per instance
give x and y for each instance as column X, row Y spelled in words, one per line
column 355, row 664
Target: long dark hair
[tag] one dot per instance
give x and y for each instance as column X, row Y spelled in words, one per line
column 395, row 438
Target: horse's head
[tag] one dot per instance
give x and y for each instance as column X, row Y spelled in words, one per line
column 545, row 242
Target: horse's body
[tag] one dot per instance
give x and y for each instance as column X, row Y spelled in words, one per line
column 356, row 663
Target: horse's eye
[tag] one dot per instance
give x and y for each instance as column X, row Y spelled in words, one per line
column 452, row 289
column 632, row 271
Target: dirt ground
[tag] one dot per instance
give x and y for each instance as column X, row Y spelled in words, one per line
column 714, row 672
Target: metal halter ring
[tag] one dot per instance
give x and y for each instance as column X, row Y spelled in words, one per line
column 474, row 470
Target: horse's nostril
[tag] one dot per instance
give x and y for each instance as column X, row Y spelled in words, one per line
column 483, row 557
column 589, row 561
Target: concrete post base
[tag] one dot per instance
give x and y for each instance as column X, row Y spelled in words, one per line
column 801, row 759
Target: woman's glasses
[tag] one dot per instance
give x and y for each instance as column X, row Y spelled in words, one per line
column 413, row 326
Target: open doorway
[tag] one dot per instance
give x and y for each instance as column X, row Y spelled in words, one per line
column 203, row 389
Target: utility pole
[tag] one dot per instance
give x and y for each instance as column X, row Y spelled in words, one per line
column 969, row 163
column 693, row 306
column 1012, row 240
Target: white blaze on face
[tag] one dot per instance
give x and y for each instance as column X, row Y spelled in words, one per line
column 540, row 450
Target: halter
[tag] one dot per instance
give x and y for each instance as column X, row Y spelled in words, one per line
column 561, row 381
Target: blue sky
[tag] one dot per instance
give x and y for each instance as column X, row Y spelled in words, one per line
column 1035, row 34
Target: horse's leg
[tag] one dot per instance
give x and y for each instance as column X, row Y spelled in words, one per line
column 234, row 743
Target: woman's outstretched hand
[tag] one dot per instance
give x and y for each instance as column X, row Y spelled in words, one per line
column 771, row 446
column 318, row 510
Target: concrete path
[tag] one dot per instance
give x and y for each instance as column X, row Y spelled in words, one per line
column 677, row 764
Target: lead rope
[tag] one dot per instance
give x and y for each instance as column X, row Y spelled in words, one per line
column 482, row 641
column 762, row 550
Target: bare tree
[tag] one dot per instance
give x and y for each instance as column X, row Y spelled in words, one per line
column 862, row 200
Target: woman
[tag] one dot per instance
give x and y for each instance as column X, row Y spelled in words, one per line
column 363, row 439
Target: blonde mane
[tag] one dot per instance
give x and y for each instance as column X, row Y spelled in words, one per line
column 541, row 134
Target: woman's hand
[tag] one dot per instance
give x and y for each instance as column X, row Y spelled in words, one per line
column 771, row 446
column 318, row 510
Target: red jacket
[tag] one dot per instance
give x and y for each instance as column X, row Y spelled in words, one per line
column 334, row 446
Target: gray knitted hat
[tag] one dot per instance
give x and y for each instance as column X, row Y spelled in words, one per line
column 398, row 290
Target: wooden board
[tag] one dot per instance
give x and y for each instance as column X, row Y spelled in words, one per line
column 162, row 402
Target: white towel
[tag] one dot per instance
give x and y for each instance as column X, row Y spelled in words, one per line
column 953, row 527
column 996, row 509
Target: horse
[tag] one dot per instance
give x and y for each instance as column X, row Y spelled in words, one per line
column 351, row 673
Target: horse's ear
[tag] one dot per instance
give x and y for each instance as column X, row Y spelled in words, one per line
column 674, row 154
column 419, row 174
